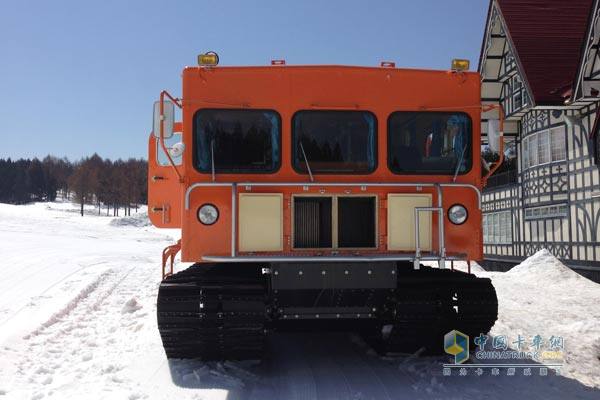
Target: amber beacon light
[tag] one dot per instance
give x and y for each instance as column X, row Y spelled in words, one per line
column 460, row 65
column 208, row 59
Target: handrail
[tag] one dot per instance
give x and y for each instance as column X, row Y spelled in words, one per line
column 440, row 257
column 368, row 258
column 333, row 184
column 233, row 219
column 442, row 245
column 202, row 184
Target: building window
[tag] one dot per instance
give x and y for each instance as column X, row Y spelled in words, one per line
column 543, row 212
column 525, row 98
column 544, row 147
column 559, row 147
column 497, row 228
column 533, row 150
column 517, row 92
column 525, row 154
column 597, row 143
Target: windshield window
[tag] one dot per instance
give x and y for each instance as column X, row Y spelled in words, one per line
column 237, row 140
column 429, row 143
column 334, row 141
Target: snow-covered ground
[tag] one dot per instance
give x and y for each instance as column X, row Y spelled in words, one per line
column 77, row 321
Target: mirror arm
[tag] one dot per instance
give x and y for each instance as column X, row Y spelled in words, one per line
column 175, row 100
column 162, row 123
column 501, row 128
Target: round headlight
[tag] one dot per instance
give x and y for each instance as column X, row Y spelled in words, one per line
column 208, row 214
column 457, row 214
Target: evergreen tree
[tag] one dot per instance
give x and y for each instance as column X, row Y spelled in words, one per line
column 36, row 181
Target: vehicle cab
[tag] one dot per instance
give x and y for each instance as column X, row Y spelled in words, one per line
column 300, row 163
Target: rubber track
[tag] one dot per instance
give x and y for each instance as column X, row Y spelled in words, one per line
column 220, row 313
column 210, row 313
column 431, row 302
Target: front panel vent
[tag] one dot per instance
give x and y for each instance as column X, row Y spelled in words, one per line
column 356, row 222
column 312, row 222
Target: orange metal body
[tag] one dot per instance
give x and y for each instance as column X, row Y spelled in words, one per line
column 288, row 89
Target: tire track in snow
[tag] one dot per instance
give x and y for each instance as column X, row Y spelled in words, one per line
column 335, row 365
column 362, row 381
column 331, row 383
column 61, row 351
column 83, row 294
column 297, row 379
column 109, row 292
column 63, row 279
column 65, row 311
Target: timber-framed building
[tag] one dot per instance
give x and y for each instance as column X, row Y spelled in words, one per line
column 540, row 60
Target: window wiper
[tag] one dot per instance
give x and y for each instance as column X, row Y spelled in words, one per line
column 306, row 162
column 462, row 155
column 212, row 159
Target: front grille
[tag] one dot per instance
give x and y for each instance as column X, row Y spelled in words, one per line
column 356, row 221
column 312, row 222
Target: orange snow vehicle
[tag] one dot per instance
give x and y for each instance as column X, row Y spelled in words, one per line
column 308, row 197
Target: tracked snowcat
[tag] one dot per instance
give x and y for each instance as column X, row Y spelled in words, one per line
column 308, row 197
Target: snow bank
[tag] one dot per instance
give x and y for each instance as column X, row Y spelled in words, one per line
column 543, row 267
column 542, row 296
column 138, row 220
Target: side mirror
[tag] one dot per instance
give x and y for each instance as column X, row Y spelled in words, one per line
column 494, row 136
column 168, row 118
column 177, row 150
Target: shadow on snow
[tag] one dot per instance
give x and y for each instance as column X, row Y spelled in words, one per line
column 341, row 366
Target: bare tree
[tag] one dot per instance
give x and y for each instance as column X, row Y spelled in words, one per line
column 80, row 182
column 92, row 180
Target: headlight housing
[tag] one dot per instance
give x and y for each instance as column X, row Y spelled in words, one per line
column 457, row 214
column 208, row 214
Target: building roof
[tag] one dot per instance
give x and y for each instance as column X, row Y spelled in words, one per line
column 548, row 37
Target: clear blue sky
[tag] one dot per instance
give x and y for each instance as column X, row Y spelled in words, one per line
column 79, row 77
